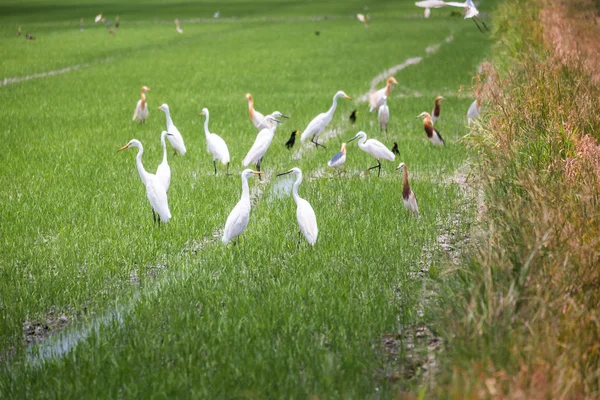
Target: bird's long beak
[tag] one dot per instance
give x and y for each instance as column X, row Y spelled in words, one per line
column 257, row 172
column 397, row 168
column 284, row 173
column 158, row 108
column 123, row 148
column 417, row 117
column 348, row 97
column 169, row 134
column 201, row 113
column 276, row 120
column 285, row 116
column 352, row 139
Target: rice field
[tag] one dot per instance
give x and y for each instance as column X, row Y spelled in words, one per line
column 96, row 301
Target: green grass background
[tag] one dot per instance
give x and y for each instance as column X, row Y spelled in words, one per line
column 263, row 319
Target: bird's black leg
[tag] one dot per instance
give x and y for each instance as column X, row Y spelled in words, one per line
column 258, row 169
column 299, row 237
column 478, row 27
column 228, row 169
column 484, row 25
column 215, row 165
column 378, row 166
column 154, row 215
column 317, row 144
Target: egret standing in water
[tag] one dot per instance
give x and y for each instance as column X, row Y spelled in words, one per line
column 175, row 137
column 261, row 144
column 215, row 145
column 376, row 99
column 240, row 215
column 339, row 159
column 432, row 133
column 383, row 115
column 155, row 190
column 307, row 220
column 435, row 113
column 141, row 108
column 290, row 143
column 408, row 196
column 318, row 124
column 163, row 172
column 374, row 148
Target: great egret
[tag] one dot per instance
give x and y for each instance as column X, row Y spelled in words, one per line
column 141, row 108
column 432, row 133
column 395, row 149
column 307, row 221
column 408, row 196
column 290, row 143
column 339, row 159
column 163, row 172
column 318, row 124
column 177, row 26
column 474, row 110
column 155, row 190
column 216, row 145
column 256, row 117
column 261, row 145
column 435, row 114
column 175, row 137
column 383, row 115
column 353, row 116
column 240, row 215
column 376, row 99
column 374, row 148
column 264, row 124
column 469, row 9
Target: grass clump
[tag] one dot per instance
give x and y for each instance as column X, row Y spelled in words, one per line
column 521, row 318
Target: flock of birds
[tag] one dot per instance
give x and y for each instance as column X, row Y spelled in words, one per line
column 157, row 185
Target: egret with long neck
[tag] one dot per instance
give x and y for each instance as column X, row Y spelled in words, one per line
column 163, row 172
column 318, row 124
column 175, row 137
column 374, row 148
column 307, row 220
column 240, row 215
column 215, row 144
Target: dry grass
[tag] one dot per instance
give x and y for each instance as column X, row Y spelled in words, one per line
column 522, row 319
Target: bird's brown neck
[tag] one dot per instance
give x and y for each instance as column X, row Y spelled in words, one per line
column 388, row 89
column 436, row 110
column 428, row 126
column 405, row 186
column 143, row 99
column 251, row 108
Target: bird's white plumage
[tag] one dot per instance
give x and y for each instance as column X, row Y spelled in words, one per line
column 163, row 172
column 141, row 112
column 411, row 204
column 237, row 221
column 261, row 144
column 307, row 220
column 174, row 137
column 383, row 114
column 377, row 99
column 427, row 13
column 338, row 160
column 318, row 124
column 215, row 143
column 473, row 112
column 374, row 147
column 155, row 190
column 468, row 6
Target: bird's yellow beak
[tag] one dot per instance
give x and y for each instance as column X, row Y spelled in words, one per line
column 348, row 97
column 123, row 148
column 257, row 172
column 158, row 108
column 201, row 113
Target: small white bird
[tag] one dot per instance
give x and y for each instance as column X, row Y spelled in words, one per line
column 175, row 137
column 318, row 124
column 376, row 98
column 339, row 159
column 468, row 7
column 216, row 15
column 177, row 26
column 155, row 190
column 261, row 145
column 215, row 144
column 374, row 148
column 432, row 133
column 364, row 19
column 435, row 113
column 307, row 220
column 474, row 110
column 163, row 172
column 408, row 196
column 141, row 108
column 240, row 215
column 98, row 18
column 383, row 115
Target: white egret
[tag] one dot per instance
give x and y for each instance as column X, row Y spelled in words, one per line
column 435, row 113
column 177, row 26
column 261, row 145
column 408, row 196
column 163, row 172
column 256, row 117
column 376, row 99
column 339, row 159
column 175, row 137
column 474, row 110
column 432, row 133
column 383, row 115
column 265, row 124
column 290, row 143
column 141, row 108
column 216, row 15
column 318, row 124
column 427, row 13
column 240, row 215
column 155, row 190
column 215, row 144
column 374, row 148
column 364, row 19
column 307, row 220
column 98, row 18
column 470, row 11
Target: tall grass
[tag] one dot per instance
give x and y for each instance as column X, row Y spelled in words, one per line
column 522, row 317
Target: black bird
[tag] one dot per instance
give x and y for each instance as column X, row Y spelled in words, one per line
column 395, row 149
column 353, row 116
column 290, row 143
